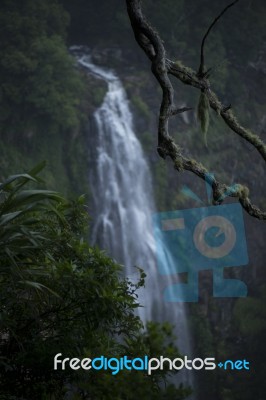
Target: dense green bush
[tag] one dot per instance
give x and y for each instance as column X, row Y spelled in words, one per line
column 59, row 295
column 39, row 84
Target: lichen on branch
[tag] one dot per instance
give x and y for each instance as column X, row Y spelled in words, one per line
column 151, row 43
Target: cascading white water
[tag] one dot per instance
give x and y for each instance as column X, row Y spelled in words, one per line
column 123, row 202
column 121, row 183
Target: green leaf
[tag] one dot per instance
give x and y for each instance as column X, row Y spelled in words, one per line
column 12, row 178
column 38, row 168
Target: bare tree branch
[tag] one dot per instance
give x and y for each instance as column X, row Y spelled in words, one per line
column 201, row 73
column 151, row 43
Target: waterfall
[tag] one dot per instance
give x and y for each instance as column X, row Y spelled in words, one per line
column 123, row 202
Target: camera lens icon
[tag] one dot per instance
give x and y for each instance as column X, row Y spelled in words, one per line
column 194, row 240
column 219, row 226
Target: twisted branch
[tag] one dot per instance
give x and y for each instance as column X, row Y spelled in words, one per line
column 151, row 43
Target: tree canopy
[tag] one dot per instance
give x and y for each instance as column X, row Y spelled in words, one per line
column 37, row 79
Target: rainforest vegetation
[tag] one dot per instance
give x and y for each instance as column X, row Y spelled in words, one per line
column 58, row 293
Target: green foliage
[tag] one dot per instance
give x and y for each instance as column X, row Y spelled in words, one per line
column 32, row 102
column 157, row 339
column 59, row 295
column 38, row 80
column 40, row 95
column 250, row 315
column 249, row 336
column 54, row 87
column 96, row 90
column 205, row 342
column 141, row 106
column 165, row 16
column 21, row 231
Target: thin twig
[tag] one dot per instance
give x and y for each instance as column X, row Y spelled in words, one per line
column 201, row 72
